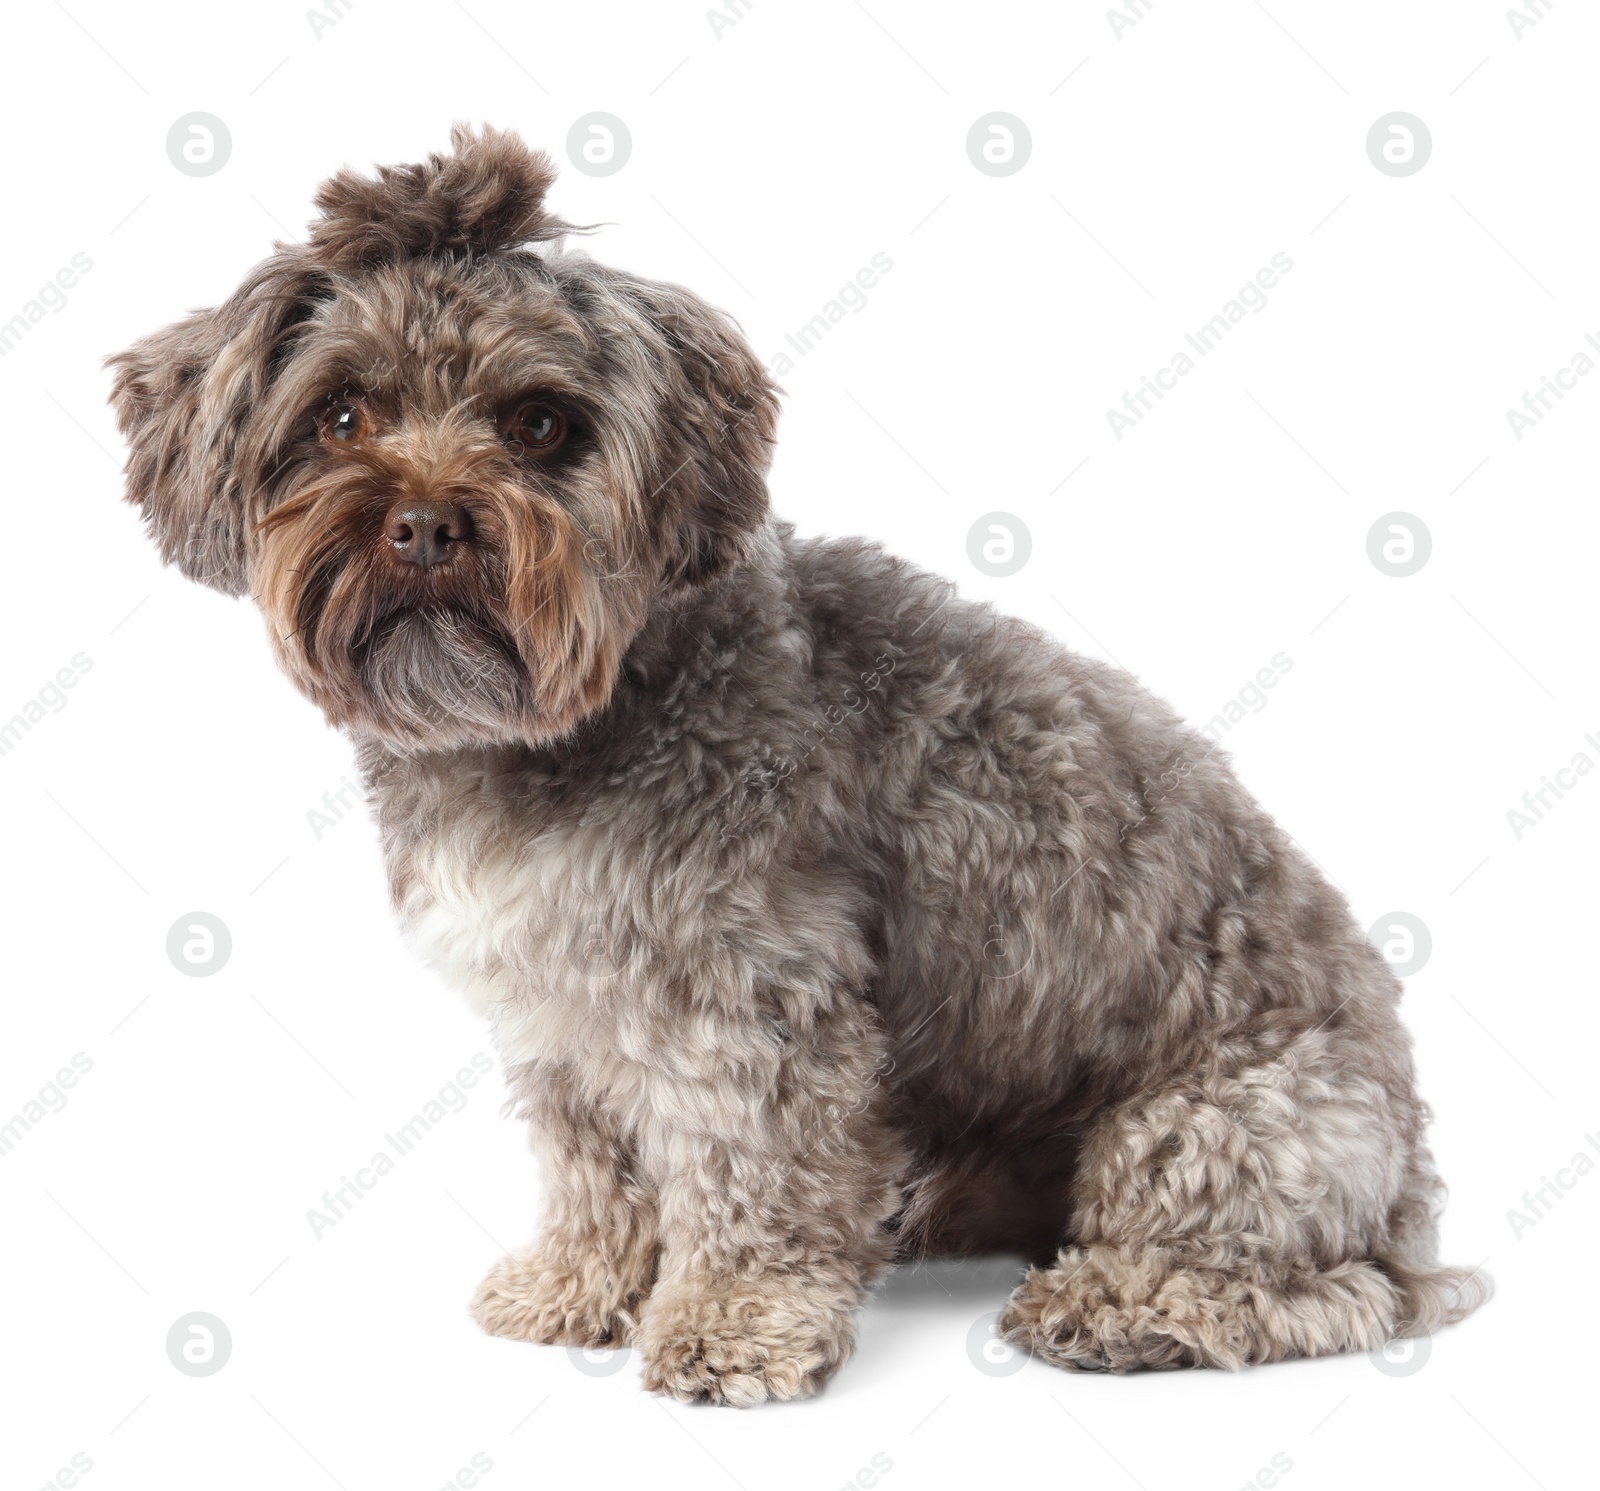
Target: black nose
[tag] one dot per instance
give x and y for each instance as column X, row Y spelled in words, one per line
column 426, row 533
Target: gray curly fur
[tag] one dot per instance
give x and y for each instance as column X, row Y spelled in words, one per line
column 821, row 917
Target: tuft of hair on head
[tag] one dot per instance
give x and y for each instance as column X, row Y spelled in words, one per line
column 487, row 195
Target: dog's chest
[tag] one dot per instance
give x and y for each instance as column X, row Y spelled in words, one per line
column 520, row 924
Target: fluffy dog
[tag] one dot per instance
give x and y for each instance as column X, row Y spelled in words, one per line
column 821, row 918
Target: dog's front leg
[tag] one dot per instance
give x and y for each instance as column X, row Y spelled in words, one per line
column 773, row 1181
column 582, row 1281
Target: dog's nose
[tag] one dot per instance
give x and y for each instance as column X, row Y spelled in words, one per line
column 426, row 533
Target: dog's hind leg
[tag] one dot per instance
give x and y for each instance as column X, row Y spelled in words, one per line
column 1242, row 1216
column 1211, row 1303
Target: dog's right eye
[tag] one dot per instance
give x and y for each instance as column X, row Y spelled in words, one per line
column 345, row 425
column 537, row 428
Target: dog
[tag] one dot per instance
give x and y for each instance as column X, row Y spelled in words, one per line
column 822, row 918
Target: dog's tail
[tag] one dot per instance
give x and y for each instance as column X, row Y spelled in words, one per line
column 1434, row 1295
column 1430, row 1294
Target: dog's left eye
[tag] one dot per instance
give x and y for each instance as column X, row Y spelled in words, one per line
column 538, row 427
column 346, row 425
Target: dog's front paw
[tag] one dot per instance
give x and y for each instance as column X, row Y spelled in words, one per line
column 743, row 1344
column 535, row 1296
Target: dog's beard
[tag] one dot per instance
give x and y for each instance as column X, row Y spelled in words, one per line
column 441, row 676
column 418, row 674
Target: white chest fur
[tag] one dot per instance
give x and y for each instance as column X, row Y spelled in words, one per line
column 522, row 930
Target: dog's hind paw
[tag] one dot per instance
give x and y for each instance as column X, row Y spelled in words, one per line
column 1085, row 1318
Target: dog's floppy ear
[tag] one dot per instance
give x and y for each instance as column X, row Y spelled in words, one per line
column 488, row 195
column 183, row 399
column 718, row 409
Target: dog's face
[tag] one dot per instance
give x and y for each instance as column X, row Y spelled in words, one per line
column 454, row 473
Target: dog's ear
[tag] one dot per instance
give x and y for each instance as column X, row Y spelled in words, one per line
column 488, row 195
column 718, row 416
column 183, row 399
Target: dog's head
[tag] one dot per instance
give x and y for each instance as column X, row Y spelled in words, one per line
column 454, row 471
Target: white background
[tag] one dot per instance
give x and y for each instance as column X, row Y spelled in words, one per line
column 770, row 162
